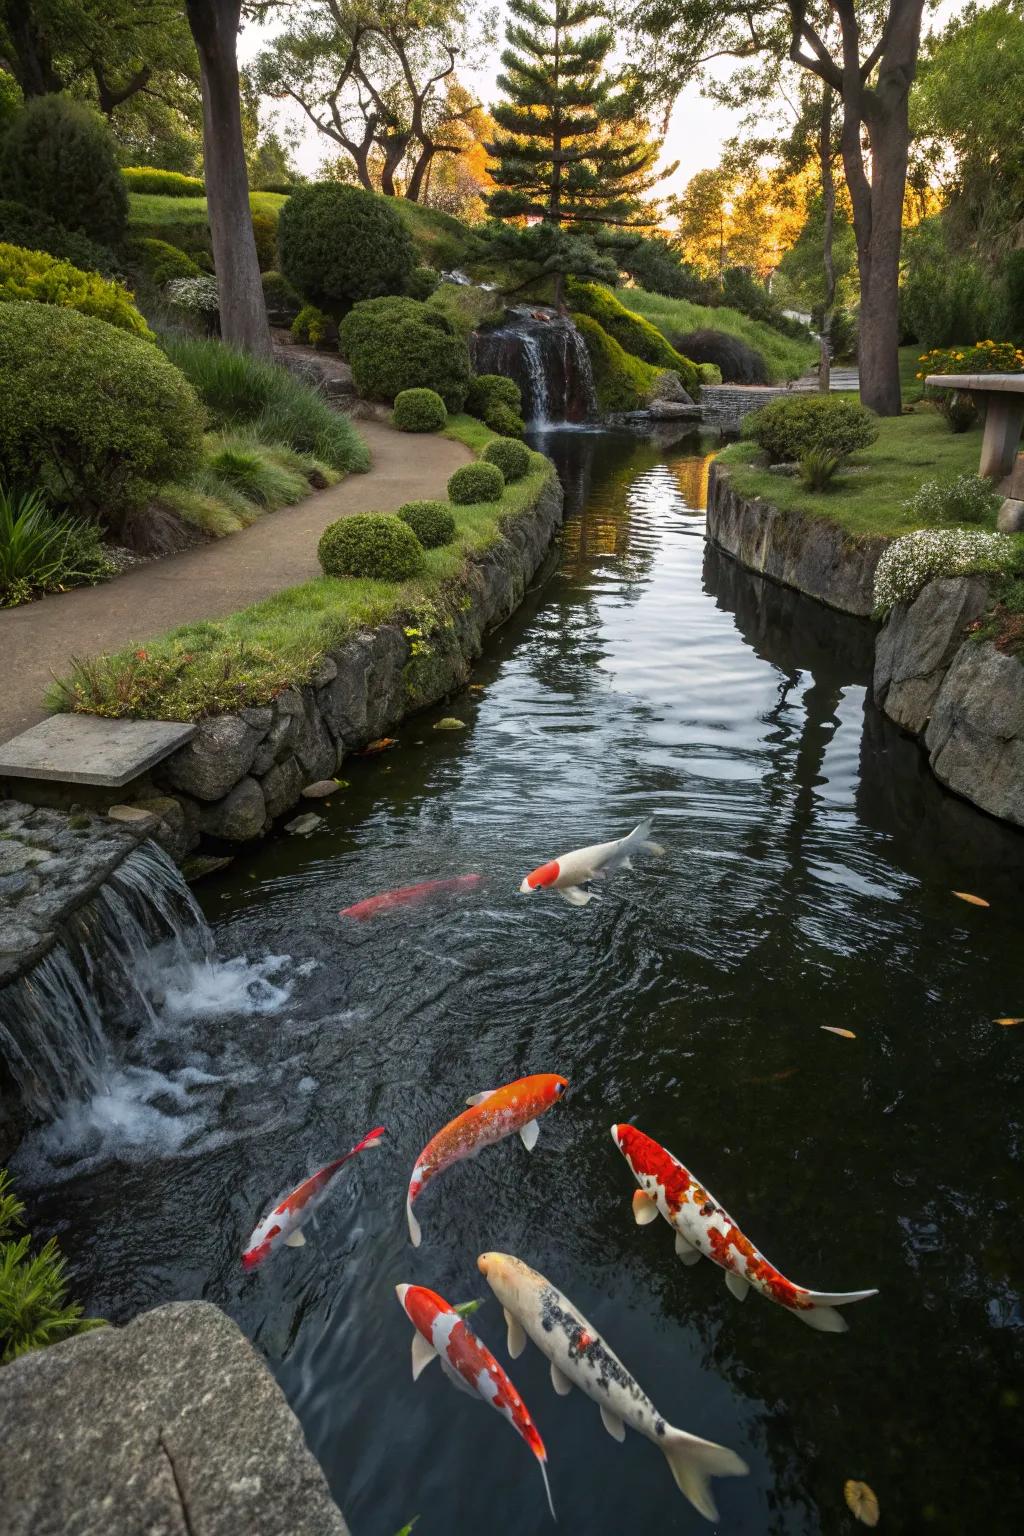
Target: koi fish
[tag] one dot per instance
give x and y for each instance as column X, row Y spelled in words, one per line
column 284, row 1224
column 569, row 872
column 441, row 1332
column 495, row 1114
column 579, row 1356
column 704, row 1230
column 409, row 895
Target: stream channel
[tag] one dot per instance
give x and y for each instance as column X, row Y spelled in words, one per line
column 808, row 878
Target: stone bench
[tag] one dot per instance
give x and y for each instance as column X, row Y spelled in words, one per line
column 1002, row 395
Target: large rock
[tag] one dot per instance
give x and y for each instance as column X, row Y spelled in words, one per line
column 218, row 755
column 975, row 738
column 172, row 1426
column 918, row 643
column 282, row 786
column 242, row 814
column 669, row 386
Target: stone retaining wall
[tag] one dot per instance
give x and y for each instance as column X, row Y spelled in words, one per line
column 813, row 554
column 725, row 405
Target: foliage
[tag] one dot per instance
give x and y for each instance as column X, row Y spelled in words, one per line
column 11, row 100
column 442, row 241
column 961, row 499
column 467, row 308
column 487, row 390
column 622, row 382
column 419, row 410
column 956, row 407
column 244, row 463
column 36, row 231
column 144, row 178
column 35, row 277
column 159, row 261
column 396, row 344
column 741, row 291
column 279, row 295
column 512, row 458
column 240, row 478
column 787, row 429
column 547, row 248
column 927, row 554
column 34, row 1306
column 784, row 358
column 738, row 362
column 982, row 357
column 373, row 544
column 238, row 390
column 818, row 467
column 58, row 156
column 474, row 483
column 340, row 244
column 433, row 522
column 505, row 421
column 195, row 295
column 93, row 415
column 801, row 272
column 657, row 265
column 709, row 373
column 421, row 282
column 312, row 325
column 264, row 231
column 368, row 319
column 44, row 552
column 633, row 333
column 946, row 294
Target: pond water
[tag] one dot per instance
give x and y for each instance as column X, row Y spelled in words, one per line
column 807, row 882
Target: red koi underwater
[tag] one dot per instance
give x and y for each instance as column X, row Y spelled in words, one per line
column 467, row 1363
column 283, row 1225
column 409, row 895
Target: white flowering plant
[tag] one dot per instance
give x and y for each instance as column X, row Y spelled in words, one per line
column 195, row 293
column 960, row 499
column 929, row 553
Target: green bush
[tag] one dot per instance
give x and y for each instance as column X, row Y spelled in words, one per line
column 787, row 429
column 736, row 361
column 512, row 458
column 243, row 462
column 159, row 261
column 365, row 322
column 419, row 410
column 41, row 551
column 476, row 482
column 373, row 544
column 818, row 468
column 709, row 373
column 311, row 325
column 497, row 402
column 95, row 417
column 397, row 344
column 960, row 499
column 340, row 244
column 264, row 230
column 36, row 231
column 145, row 178
column 907, row 564
column 433, row 522
column 11, row 100
column 421, row 282
column 38, row 278
column 279, row 295
column 658, row 267
column 633, row 333
column 59, row 156
column 242, row 391
column 743, row 292
column 34, row 1306
column 622, row 382
column 506, row 422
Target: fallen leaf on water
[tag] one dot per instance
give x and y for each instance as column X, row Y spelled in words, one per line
column 467, row 1308
column 834, row 1029
column 1006, row 1023
column 380, row 745
column 406, row 1529
column 975, row 901
column 476, row 687
column 775, row 1077
column 861, row 1501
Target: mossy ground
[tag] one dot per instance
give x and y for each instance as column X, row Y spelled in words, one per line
column 785, row 358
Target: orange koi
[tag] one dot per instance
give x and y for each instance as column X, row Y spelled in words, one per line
column 283, row 1225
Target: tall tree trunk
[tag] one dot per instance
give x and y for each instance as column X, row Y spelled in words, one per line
column 419, row 181
column 32, row 62
column 243, row 315
column 828, row 200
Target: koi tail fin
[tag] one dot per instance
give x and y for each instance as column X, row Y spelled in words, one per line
column 822, row 1315
column 415, row 1234
column 547, row 1489
column 695, row 1462
column 369, row 1140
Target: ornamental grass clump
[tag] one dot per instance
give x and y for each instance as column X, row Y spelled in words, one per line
column 787, row 429
column 929, row 554
column 419, row 410
column 818, row 468
column 474, row 483
column 34, row 1306
column 963, row 499
column 373, row 544
column 432, row 522
column 511, row 457
column 40, row 551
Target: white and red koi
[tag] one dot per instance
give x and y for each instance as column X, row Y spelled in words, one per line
column 495, row 1114
column 570, row 872
column 705, row 1230
column 579, row 1356
column 284, row 1224
column 468, row 1364
column 410, row 896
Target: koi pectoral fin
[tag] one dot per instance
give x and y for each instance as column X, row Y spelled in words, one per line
column 655, row 848
column 295, row 1240
column 529, row 1133
column 478, row 1098
column 686, row 1252
column 422, row 1354
column 613, row 1424
column 575, row 896
column 737, row 1285
column 644, row 1209
column 516, row 1335
column 561, row 1383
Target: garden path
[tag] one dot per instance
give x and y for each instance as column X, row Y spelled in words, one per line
column 38, row 640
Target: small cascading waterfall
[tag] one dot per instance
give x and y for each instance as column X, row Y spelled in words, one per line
column 53, row 1035
column 546, row 355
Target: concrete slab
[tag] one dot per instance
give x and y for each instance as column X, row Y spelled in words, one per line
column 85, row 749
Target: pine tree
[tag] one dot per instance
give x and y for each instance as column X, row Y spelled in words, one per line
column 573, row 151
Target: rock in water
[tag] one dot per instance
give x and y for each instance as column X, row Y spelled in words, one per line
column 450, row 723
column 302, row 824
column 320, row 790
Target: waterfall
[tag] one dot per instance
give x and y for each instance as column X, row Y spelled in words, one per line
column 53, row 1030
column 546, row 355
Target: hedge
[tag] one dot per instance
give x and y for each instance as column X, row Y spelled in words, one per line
column 59, row 156
column 512, row 458
column 146, row 178
column 340, row 244
column 160, row 261
column 35, row 277
column 474, row 483
column 372, row 544
column 433, row 522
column 419, row 410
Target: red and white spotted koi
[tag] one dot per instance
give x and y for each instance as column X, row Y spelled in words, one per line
column 495, row 1114
column 570, row 872
column 705, row 1230
column 580, row 1357
column 283, row 1225
column 468, row 1364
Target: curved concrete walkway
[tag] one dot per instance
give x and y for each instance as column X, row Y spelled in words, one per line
column 39, row 640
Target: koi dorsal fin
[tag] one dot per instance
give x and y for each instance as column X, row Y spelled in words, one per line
column 479, row 1098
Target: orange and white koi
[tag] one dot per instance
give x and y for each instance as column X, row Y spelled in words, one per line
column 570, row 872
column 705, row 1230
column 579, row 1357
column 283, row 1225
column 495, row 1114
column 468, row 1364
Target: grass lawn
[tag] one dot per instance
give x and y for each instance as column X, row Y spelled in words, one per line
column 785, row 358
column 151, row 208
column 868, row 496
column 249, row 657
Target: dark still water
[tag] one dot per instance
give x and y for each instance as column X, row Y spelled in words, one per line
column 807, row 882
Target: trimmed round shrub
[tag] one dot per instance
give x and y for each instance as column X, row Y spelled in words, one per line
column 146, row 178
column 373, row 544
column 504, row 420
column 421, row 282
column 95, row 417
column 410, row 354
column 512, row 458
column 279, row 295
column 739, row 363
column 59, row 156
column 432, row 522
column 340, row 244
column 365, row 322
column 788, row 429
column 36, row 231
column 476, row 482
column 419, row 410
column 160, row 261
column 488, row 389
column 41, row 279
